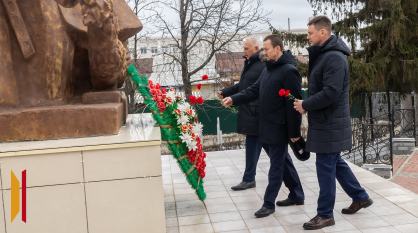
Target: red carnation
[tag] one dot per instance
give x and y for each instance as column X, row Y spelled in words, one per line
column 150, row 82
column 282, row 92
column 164, row 91
column 200, row 100
column 153, row 92
column 202, row 175
column 204, row 77
column 199, row 86
column 161, row 106
column 286, row 93
column 157, row 86
column 192, row 99
column 195, row 120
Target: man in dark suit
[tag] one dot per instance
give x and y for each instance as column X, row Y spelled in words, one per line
column 329, row 121
column 247, row 122
column 278, row 121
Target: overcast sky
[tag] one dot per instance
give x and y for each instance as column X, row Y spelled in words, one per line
column 298, row 11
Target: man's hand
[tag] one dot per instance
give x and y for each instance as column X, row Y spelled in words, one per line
column 227, row 102
column 220, row 95
column 294, row 139
column 299, row 108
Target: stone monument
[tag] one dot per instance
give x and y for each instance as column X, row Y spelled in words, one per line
column 61, row 63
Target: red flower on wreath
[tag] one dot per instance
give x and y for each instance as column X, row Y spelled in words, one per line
column 177, row 111
column 204, row 77
column 195, row 120
column 168, row 100
column 157, row 86
column 164, row 91
column 282, row 92
column 192, row 99
column 200, row 100
column 184, row 128
column 199, row 86
column 153, row 92
column 161, row 106
column 189, row 112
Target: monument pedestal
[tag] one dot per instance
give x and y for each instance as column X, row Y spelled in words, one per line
column 113, row 183
column 79, row 120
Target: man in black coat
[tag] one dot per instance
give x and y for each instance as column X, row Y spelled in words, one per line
column 329, row 121
column 247, row 122
column 278, row 121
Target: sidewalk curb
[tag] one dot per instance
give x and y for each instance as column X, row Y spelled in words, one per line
column 404, row 164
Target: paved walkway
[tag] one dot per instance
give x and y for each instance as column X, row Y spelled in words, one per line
column 395, row 209
column 405, row 170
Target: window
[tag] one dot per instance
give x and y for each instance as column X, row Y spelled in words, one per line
column 143, row 50
column 154, row 50
column 175, row 48
column 164, row 49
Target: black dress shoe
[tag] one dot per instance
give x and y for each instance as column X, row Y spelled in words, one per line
column 243, row 186
column 263, row 212
column 289, row 202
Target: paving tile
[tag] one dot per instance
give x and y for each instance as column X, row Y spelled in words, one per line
column 225, row 217
column 262, row 223
column 288, row 210
column 389, row 229
column 407, row 228
column 213, row 195
column 222, row 208
column 172, row 230
column 400, row 219
column 229, row 226
column 391, row 192
column 191, row 211
column 279, row 229
column 219, row 201
column 370, row 222
column 201, row 228
column 386, row 210
column 189, row 204
column 403, row 199
column 171, row 222
column 340, row 226
column 246, row 198
column 363, row 213
column 299, row 229
column 193, row 220
column 293, row 219
column 253, row 205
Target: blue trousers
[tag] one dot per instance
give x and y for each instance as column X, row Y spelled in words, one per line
column 281, row 170
column 329, row 167
column 253, row 148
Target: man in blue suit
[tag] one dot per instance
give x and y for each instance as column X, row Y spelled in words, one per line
column 329, row 121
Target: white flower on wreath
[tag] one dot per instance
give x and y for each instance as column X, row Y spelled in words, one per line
column 183, row 107
column 197, row 128
column 186, row 138
column 183, row 119
column 171, row 94
column 192, row 145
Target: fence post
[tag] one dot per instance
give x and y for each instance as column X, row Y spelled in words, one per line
column 364, row 142
column 391, row 148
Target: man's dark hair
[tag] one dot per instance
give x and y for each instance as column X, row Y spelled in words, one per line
column 321, row 22
column 275, row 41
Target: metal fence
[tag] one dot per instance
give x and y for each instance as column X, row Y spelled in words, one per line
column 372, row 138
